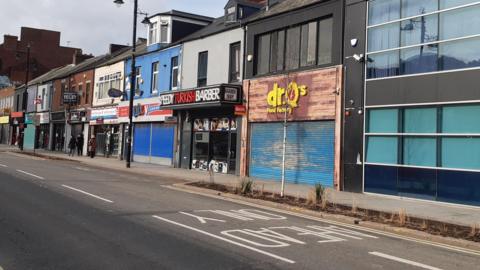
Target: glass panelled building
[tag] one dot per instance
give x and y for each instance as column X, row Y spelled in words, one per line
column 422, row 99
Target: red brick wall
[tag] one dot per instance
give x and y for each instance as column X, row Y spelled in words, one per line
column 45, row 53
column 318, row 103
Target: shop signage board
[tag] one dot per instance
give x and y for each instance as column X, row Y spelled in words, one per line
column 70, row 98
column 230, row 94
column 304, row 96
column 44, row 118
column 106, row 115
column 150, row 111
column 17, row 114
column 4, row 119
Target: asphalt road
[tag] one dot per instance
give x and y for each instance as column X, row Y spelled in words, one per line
column 62, row 215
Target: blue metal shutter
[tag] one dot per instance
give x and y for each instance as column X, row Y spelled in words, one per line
column 141, row 140
column 310, row 152
column 162, row 140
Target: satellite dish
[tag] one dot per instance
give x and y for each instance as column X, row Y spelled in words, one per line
column 114, row 93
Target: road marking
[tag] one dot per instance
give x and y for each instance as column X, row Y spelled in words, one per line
column 356, row 227
column 225, row 239
column 397, row 259
column 4, row 166
column 82, row 169
column 86, row 193
column 31, row 174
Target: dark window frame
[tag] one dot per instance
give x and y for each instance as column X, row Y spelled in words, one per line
column 233, row 75
column 202, row 80
column 275, row 33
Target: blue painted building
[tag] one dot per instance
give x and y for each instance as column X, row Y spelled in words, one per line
column 157, row 71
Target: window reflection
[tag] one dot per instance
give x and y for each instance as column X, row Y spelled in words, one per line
column 460, row 54
column 383, row 64
column 419, row 30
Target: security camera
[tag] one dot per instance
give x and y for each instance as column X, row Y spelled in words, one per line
column 358, row 57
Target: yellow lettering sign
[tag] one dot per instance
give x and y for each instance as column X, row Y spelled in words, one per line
column 280, row 99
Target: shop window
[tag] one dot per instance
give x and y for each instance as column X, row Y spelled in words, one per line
column 164, row 32
column 419, row 151
column 454, row 3
column 461, row 153
column 152, row 37
column 419, row 30
column 202, row 69
column 234, row 69
column 154, row 88
column 383, row 121
column 308, row 44
column 87, row 92
column 174, row 73
column 419, row 59
column 420, row 120
column 80, row 93
column 461, row 119
column 384, row 37
column 263, row 54
column 325, row 42
column 380, row 11
column 383, row 64
column 292, row 56
column 460, row 22
column 382, row 149
column 138, row 77
column 415, row 7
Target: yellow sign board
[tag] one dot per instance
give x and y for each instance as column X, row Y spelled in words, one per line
column 280, row 99
column 4, row 119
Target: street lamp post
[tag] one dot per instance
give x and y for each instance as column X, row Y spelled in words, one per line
column 132, row 80
column 25, row 95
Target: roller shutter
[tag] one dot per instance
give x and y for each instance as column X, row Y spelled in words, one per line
column 153, row 143
column 309, row 152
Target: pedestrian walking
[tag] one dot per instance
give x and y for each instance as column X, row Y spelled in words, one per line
column 80, row 145
column 92, row 146
column 72, row 144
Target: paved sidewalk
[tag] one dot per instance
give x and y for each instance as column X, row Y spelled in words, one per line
column 455, row 214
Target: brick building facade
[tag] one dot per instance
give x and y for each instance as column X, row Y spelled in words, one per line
column 45, row 54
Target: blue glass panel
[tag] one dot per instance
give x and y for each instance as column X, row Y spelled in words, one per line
column 460, row 22
column 417, row 183
column 383, row 121
column 419, row 30
column 459, row 187
column 461, row 153
column 454, row 3
column 384, row 64
column 460, row 54
column 420, row 151
column 380, row 11
column 419, row 59
column 382, row 150
column 381, row 179
column 416, row 7
column 461, row 119
column 384, row 37
column 420, row 120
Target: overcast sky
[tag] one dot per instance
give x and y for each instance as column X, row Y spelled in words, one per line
column 92, row 24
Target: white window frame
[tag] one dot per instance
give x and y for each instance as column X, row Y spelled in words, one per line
column 153, row 33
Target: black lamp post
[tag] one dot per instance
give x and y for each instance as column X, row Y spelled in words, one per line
column 132, row 76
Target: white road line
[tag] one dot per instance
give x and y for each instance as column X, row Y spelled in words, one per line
column 82, row 169
column 86, row 193
column 356, row 227
column 4, row 166
column 225, row 239
column 31, row 174
column 397, row 259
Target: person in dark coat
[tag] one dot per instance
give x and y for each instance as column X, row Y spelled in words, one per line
column 71, row 145
column 92, row 146
column 80, row 145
